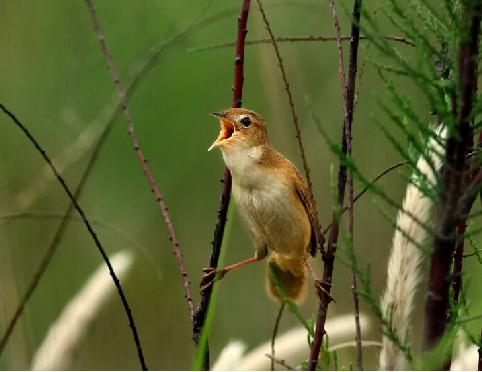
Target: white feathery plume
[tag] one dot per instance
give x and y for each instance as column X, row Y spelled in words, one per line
column 292, row 346
column 63, row 338
column 230, row 356
column 403, row 274
column 466, row 360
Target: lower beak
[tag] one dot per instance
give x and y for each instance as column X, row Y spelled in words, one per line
column 227, row 130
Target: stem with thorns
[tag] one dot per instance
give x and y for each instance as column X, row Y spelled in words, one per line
column 91, row 231
column 328, row 259
column 437, row 300
column 201, row 311
column 121, row 96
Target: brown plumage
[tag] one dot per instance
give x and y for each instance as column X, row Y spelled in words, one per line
column 272, row 199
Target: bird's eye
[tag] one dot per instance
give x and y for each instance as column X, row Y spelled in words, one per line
column 246, row 121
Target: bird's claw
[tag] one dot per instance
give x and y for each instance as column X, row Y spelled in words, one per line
column 321, row 290
column 210, row 276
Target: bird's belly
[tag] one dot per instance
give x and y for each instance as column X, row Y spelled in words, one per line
column 274, row 219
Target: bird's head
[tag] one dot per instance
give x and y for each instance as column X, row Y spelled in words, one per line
column 240, row 128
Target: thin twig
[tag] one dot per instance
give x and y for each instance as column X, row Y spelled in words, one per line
column 292, row 39
column 473, row 179
column 46, row 259
column 275, row 333
column 91, row 231
column 365, row 189
column 281, row 362
column 350, row 101
column 140, row 157
column 319, row 236
column 437, row 300
column 348, row 95
column 341, row 58
column 201, row 311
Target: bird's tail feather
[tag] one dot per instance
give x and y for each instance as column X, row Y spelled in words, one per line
column 286, row 278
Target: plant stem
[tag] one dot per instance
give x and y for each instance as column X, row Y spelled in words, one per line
column 437, row 300
column 201, row 311
column 275, row 333
column 293, row 39
column 91, row 231
column 328, row 259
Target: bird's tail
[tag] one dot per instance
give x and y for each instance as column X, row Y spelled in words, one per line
column 286, row 278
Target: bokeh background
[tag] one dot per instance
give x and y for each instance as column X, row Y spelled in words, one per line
column 53, row 76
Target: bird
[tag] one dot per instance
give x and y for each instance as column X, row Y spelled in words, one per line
column 273, row 201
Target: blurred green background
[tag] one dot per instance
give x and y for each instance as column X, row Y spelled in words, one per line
column 53, row 76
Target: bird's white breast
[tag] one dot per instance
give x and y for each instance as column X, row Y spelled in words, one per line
column 264, row 198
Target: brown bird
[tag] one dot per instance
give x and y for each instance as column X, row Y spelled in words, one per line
column 272, row 199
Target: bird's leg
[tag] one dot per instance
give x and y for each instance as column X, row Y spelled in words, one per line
column 211, row 274
column 318, row 283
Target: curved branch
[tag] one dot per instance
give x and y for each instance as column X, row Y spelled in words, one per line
column 91, row 231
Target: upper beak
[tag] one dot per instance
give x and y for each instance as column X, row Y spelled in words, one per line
column 218, row 115
column 227, row 129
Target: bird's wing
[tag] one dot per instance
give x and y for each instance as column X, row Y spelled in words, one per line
column 304, row 195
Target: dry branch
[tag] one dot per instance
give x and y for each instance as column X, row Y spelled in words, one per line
column 140, row 157
column 437, row 301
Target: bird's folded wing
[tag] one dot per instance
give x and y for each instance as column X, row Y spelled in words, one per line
column 304, row 195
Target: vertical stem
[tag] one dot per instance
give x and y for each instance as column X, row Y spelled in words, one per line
column 122, row 97
column 328, row 259
column 201, row 311
column 437, row 301
column 350, row 99
column 275, row 333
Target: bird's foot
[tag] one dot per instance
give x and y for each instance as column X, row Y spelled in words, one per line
column 210, row 276
column 322, row 291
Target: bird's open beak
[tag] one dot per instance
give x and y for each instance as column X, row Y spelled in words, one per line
column 227, row 129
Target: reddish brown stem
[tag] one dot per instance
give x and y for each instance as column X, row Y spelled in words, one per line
column 141, row 158
column 328, row 260
column 201, row 311
column 459, row 248
column 457, row 147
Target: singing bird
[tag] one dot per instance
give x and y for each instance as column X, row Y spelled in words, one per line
column 272, row 199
